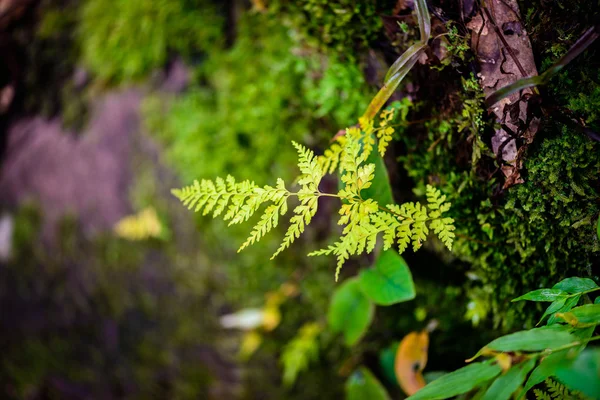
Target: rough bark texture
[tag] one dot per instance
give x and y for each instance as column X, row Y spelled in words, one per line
column 504, row 51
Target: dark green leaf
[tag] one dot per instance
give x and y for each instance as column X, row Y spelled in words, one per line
column 598, row 228
column 597, row 301
column 543, row 295
column 458, row 382
column 584, row 374
column 389, row 282
column 556, row 306
column 507, row 384
column 536, row 339
column 363, row 385
column 387, row 361
column 575, row 285
column 350, row 312
column 380, row 189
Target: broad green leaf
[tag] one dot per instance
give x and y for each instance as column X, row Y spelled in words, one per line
column 363, row 385
column 575, row 285
column 543, row 295
column 350, row 312
column 536, row 339
column 584, row 374
column 389, row 281
column 380, row 189
column 507, row 384
column 597, row 301
column 588, row 314
column 460, row 381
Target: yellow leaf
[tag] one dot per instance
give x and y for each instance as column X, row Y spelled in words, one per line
column 141, row 226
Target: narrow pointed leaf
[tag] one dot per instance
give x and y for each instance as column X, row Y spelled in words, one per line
column 556, row 306
column 536, row 339
column 542, row 295
column 423, row 19
column 390, row 86
column 403, row 60
column 458, row 382
column 507, row 384
column 569, row 304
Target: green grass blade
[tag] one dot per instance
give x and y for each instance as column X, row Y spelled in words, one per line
column 390, row 86
column 403, row 59
column 424, row 20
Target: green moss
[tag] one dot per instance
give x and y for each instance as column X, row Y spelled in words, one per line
column 529, row 236
column 247, row 113
column 124, row 40
column 343, row 25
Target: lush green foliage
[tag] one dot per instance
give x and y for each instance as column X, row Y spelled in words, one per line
column 124, row 40
column 519, row 361
column 550, row 351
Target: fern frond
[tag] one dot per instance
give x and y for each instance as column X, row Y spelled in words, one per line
column 308, row 196
column 557, row 390
column 208, row 196
column 541, row 395
column 309, row 166
column 385, row 131
column 304, row 213
column 268, row 221
column 388, row 224
column 330, row 159
column 443, row 227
